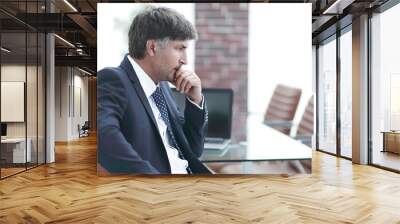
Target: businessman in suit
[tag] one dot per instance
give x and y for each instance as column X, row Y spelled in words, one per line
column 140, row 129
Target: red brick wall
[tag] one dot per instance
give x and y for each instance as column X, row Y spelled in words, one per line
column 222, row 54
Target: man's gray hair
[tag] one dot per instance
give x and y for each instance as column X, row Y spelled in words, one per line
column 160, row 24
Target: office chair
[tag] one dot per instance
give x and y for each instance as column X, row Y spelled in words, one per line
column 84, row 130
column 305, row 130
column 282, row 108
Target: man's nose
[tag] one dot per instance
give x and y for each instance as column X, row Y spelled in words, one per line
column 182, row 61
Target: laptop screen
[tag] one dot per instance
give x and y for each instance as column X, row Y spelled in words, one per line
column 219, row 105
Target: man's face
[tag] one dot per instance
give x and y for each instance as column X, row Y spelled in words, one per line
column 169, row 59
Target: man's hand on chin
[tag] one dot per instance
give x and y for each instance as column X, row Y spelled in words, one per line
column 188, row 83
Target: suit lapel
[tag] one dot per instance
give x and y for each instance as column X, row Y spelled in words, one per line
column 126, row 65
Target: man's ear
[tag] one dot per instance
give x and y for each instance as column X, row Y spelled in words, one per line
column 151, row 47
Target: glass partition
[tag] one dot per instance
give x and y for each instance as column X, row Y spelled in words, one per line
column 22, row 90
column 385, row 89
column 346, row 93
column 41, row 91
column 31, row 100
column 327, row 95
column 13, row 113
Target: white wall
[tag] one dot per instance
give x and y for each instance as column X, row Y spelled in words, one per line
column 61, row 103
column 68, row 83
column 80, row 84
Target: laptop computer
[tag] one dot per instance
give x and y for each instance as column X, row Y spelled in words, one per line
column 219, row 105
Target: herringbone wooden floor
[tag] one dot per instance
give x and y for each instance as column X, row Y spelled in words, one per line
column 70, row 192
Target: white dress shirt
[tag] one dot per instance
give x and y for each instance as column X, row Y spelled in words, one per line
column 178, row 165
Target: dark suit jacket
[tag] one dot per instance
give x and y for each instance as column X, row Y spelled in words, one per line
column 128, row 136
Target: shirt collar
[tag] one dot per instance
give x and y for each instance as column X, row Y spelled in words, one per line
column 146, row 82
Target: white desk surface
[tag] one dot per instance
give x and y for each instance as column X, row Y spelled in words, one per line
column 263, row 144
column 268, row 143
column 13, row 140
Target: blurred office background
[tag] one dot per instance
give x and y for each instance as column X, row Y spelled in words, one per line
column 249, row 48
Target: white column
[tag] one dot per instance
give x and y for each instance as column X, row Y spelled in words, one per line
column 50, row 92
column 360, row 90
column 50, row 100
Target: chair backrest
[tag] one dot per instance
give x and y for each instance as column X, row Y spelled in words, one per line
column 86, row 125
column 283, row 106
column 306, row 125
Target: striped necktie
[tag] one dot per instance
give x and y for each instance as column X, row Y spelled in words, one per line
column 159, row 99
